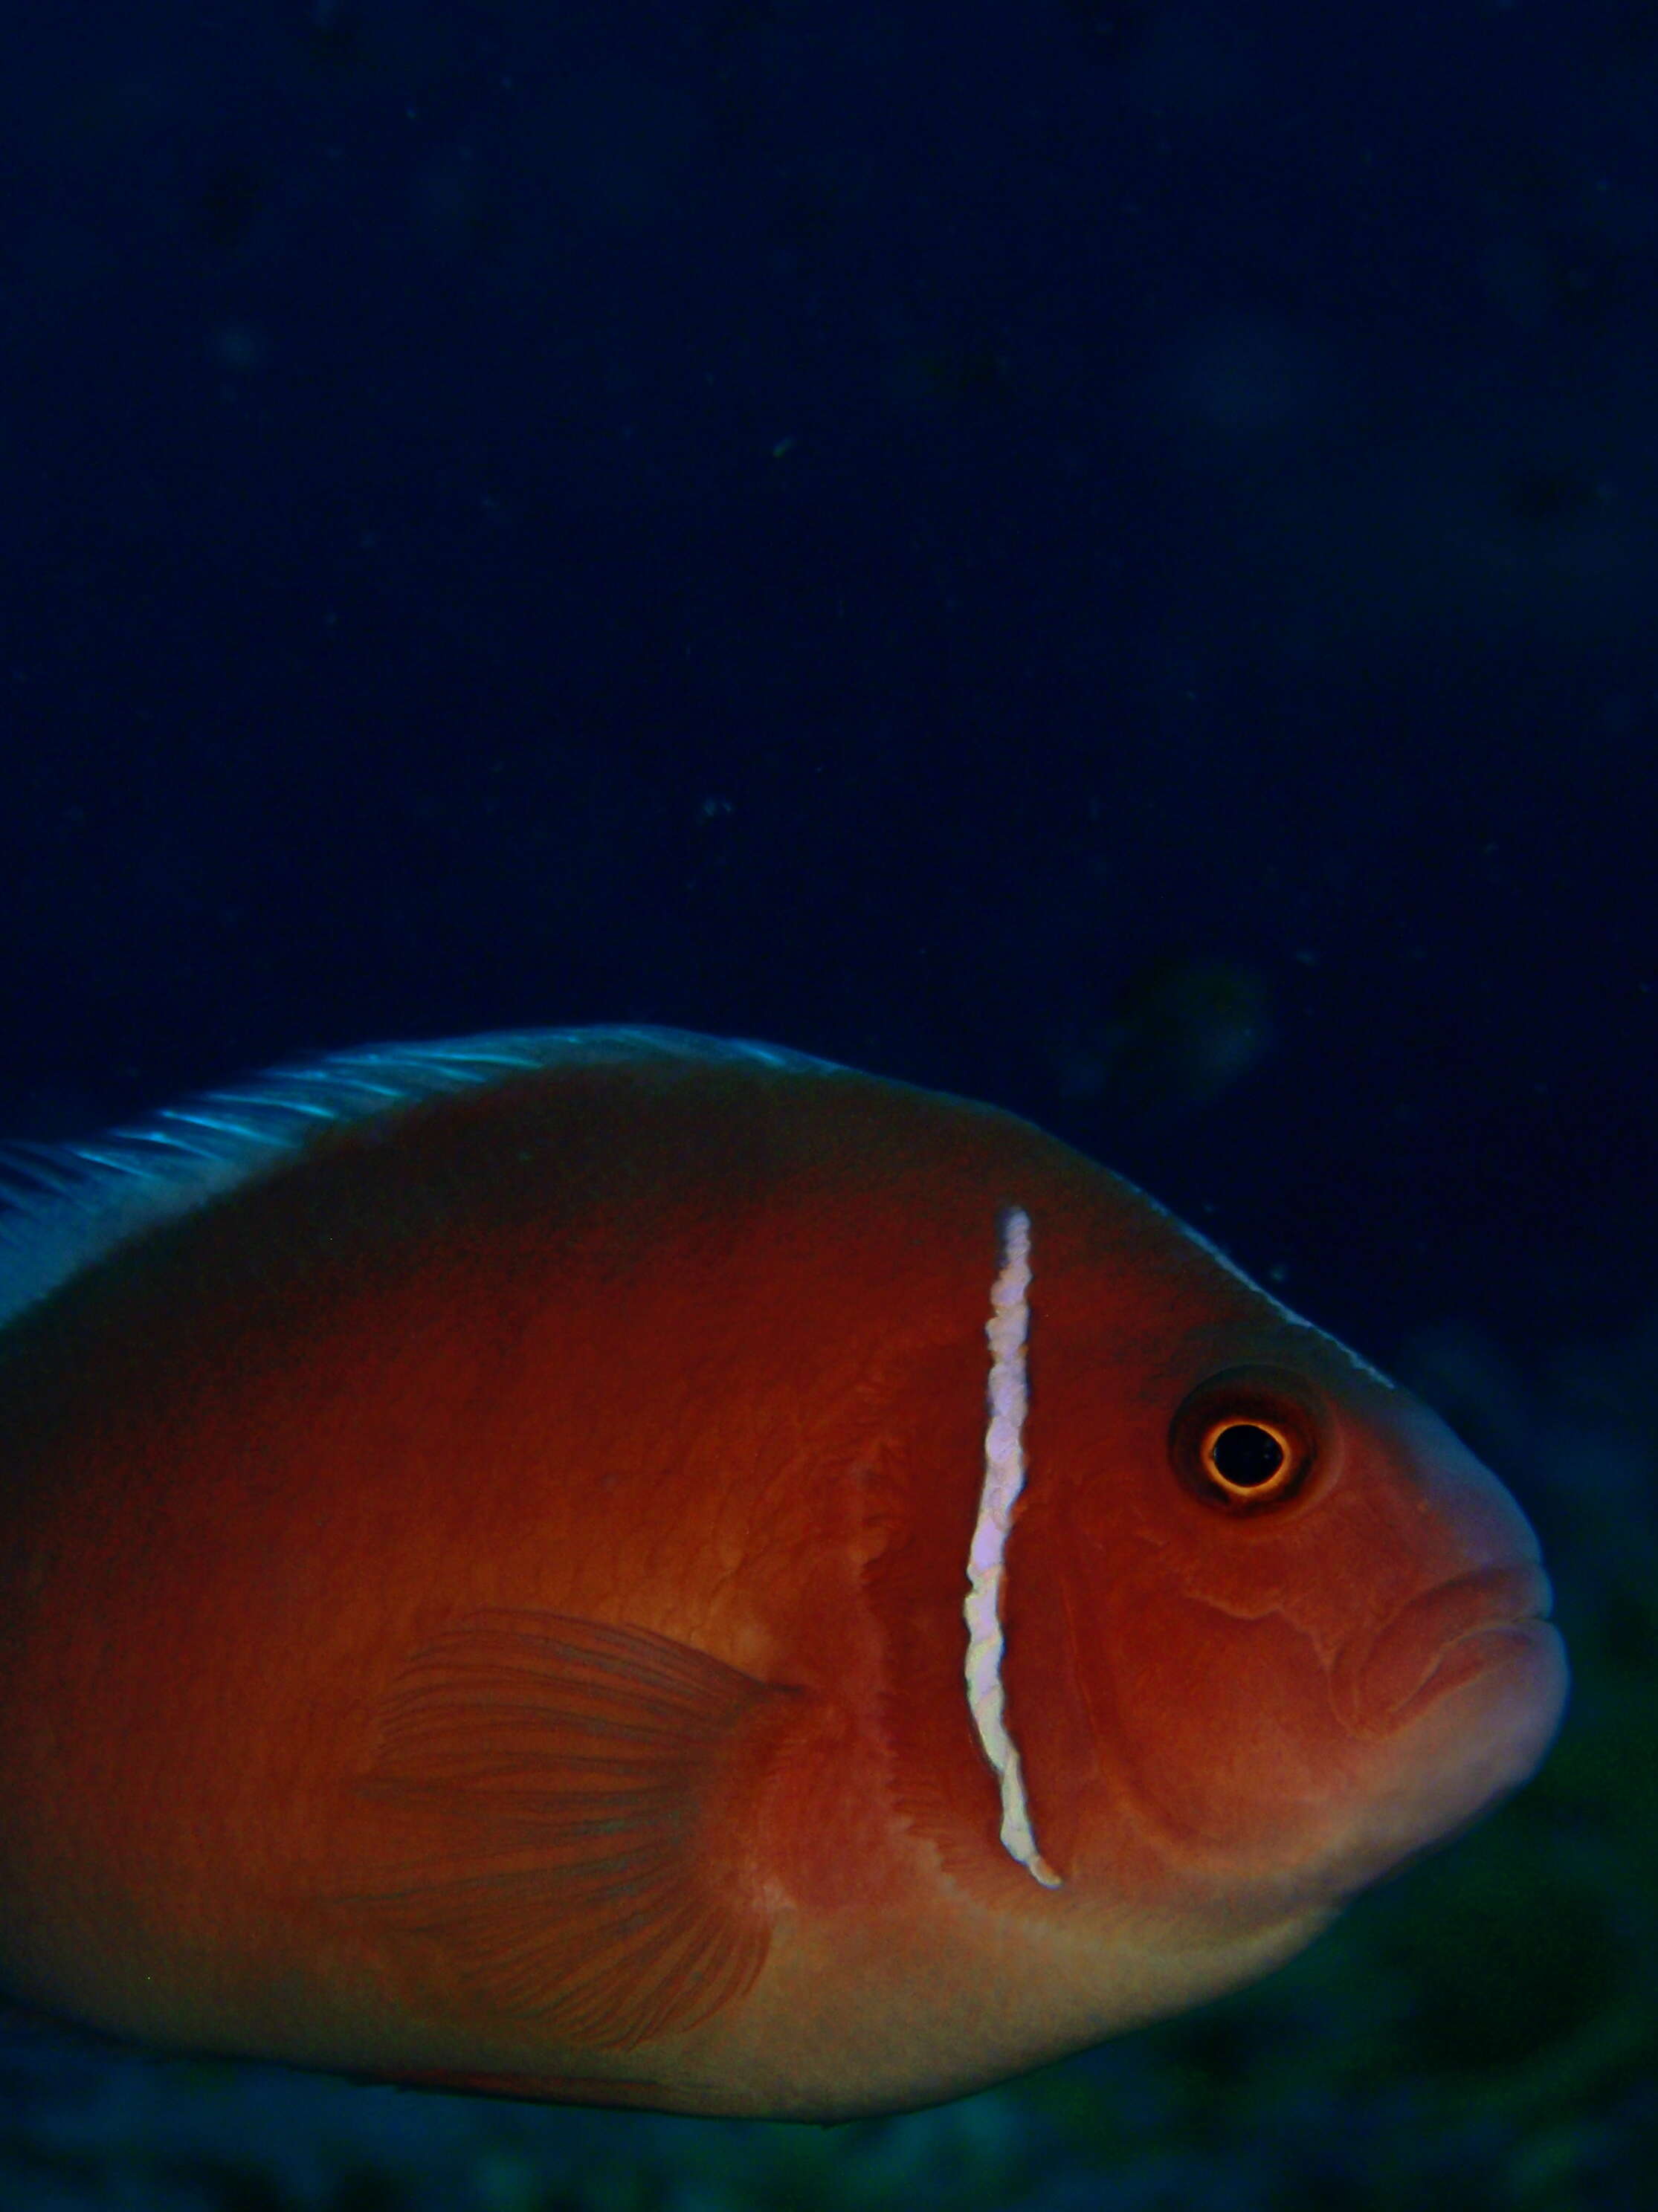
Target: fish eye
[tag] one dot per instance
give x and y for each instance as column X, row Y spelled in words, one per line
column 1245, row 1440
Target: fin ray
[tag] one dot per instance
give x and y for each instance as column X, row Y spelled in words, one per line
column 568, row 1802
column 80, row 1200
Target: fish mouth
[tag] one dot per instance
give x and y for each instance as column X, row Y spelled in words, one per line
column 1460, row 1694
column 1494, row 1617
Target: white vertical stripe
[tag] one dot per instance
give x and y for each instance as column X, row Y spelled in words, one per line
column 1004, row 1477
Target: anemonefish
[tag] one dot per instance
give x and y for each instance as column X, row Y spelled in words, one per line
column 612, row 1566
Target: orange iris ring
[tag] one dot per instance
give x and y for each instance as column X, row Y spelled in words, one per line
column 1285, row 1476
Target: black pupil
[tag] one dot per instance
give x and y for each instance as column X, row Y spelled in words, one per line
column 1247, row 1456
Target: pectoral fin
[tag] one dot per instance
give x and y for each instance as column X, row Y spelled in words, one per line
column 562, row 1813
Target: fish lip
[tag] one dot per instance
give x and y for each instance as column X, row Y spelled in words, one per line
column 1442, row 1638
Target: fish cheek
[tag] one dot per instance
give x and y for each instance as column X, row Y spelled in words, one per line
column 1214, row 1731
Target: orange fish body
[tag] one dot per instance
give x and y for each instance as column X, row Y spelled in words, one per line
column 610, row 1567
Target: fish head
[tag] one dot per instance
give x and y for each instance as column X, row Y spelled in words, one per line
column 1302, row 1631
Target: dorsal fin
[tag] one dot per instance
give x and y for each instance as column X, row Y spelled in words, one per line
column 560, row 1828
column 67, row 1206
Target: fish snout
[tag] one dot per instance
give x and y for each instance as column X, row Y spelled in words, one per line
column 1491, row 1622
column 1459, row 1697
